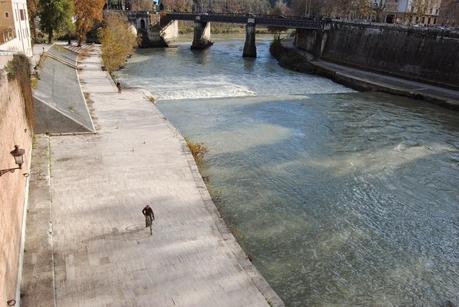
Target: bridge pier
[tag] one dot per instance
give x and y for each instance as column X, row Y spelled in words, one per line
column 201, row 38
column 250, row 47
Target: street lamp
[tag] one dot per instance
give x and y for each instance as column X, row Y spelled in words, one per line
column 18, row 155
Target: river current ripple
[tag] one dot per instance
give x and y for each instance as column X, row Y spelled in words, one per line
column 340, row 198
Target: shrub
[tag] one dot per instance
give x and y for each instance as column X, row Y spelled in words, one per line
column 18, row 69
column 198, row 150
column 118, row 42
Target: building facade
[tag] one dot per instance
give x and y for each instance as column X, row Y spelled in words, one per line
column 449, row 13
column 14, row 27
column 420, row 12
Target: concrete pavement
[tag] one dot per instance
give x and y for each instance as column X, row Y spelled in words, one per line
column 370, row 80
column 37, row 288
column 99, row 183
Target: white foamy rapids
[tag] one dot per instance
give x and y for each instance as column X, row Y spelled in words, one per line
column 201, row 90
column 176, row 74
column 201, row 87
column 192, row 88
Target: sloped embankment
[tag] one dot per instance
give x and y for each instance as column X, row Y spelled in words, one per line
column 59, row 102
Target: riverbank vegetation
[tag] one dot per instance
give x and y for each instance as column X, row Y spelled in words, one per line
column 198, row 150
column 118, row 41
column 18, row 69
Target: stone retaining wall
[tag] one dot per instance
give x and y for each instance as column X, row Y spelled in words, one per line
column 421, row 54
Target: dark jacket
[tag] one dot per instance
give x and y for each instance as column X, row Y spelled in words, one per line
column 147, row 211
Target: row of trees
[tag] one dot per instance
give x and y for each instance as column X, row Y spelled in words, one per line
column 343, row 8
column 65, row 16
column 332, row 8
column 219, row 6
column 132, row 5
column 350, row 9
column 359, row 9
column 79, row 16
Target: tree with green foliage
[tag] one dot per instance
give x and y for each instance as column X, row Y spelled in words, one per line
column 55, row 15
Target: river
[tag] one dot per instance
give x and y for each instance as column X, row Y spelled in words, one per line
column 339, row 197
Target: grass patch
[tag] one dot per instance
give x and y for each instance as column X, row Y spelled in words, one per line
column 198, row 150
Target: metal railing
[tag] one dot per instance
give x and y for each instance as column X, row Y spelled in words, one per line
column 265, row 20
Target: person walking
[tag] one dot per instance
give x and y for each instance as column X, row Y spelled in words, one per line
column 118, row 85
column 149, row 217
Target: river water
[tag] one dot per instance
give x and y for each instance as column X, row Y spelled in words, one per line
column 339, row 197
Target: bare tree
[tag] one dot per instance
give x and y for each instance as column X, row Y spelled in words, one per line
column 280, row 9
column 350, row 9
column 141, row 5
column 379, row 9
column 178, row 5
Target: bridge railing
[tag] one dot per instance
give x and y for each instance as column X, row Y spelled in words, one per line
column 236, row 14
column 266, row 20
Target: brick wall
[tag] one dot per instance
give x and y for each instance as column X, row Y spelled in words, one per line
column 14, row 130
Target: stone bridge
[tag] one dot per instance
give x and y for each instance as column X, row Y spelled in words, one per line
column 161, row 29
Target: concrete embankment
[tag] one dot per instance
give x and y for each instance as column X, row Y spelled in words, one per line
column 423, row 54
column 101, row 252
column 299, row 60
column 59, row 102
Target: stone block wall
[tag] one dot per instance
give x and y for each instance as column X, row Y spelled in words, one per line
column 14, row 130
column 426, row 55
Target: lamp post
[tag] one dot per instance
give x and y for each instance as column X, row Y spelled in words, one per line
column 18, row 155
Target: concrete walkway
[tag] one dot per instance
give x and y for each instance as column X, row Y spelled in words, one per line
column 103, row 255
column 357, row 77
